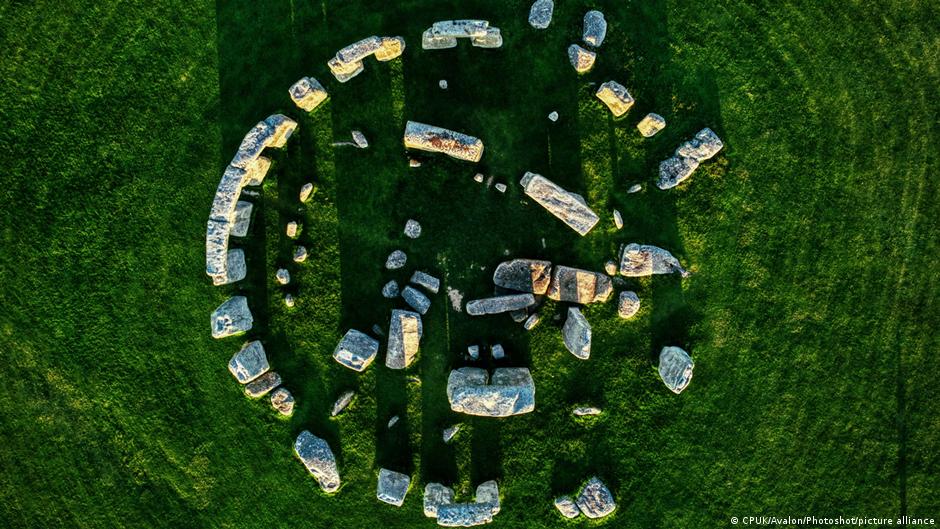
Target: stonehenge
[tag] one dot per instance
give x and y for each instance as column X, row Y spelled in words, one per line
column 675, row 368
column 316, row 455
column 570, row 208
column 638, row 260
column 392, row 487
column 356, row 350
column 577, row 334
column 676, row 169
column 429, row 138
column 595, row 28
column 498, row 304
column 540, row 14
column 308, row 93
column 444, row 34
column 404, row 339
column 347, row 63
column 231, row 318
column 651, row 124
column 581, row 59
column 510, row 391
column 616, row 97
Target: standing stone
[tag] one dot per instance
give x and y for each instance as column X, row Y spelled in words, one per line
column 292, row 229
column 249, row 362
column 567, row 507
column 396, row 260
column 651, row 124
column 392, row 422
column 300, row 254
column 404, row 339
column 473, row 351
column 412, row 229
column 618, row 219
column 616, row 97
column 416, row 299
column 356, row 350
column 610, row 267
column 316, row 455
column 577, row 334
column 282, row 276
column 442, row 84
column 675, row 368
column 629, row 304
column 586, row 411
column 260, row 386
column 305, row 191
column 478, row 178
column 242, row 218
column 635, row 188
column 232, row 318
column 499, row 304
column 595, row 28
column 342, row 402
column 288, row 300
column 581, row 59
column 283, row 401
column 524, row 275
column 390, row 290
column 308, row 93
column 511, row 391
column 392, row 487
column 638, row 260
column 574, row 285
column 595, row 500
column 498, row 352
column 540, row 14
column 426, row 281
column 360, row 139
column 570, row 208
column 436, row 495
column 449, row 433
column 235, row 268
column 501, row 187
column 553, row 116
column 532, row 321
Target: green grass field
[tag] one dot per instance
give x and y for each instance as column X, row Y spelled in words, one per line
column 811, row 314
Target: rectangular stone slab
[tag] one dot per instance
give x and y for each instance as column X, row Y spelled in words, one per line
column 569, row 207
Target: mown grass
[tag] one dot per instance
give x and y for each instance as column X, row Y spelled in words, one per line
column 813, row 239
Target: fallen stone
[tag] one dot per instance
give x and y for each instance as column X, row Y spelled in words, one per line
column 231, row 318
column 282, row 276
column 392, row 487
column 412, row 229
column 404, row 339
column 473, row 352
column 283, row 402
column 595, row 28
column 618, row 219
column 577, row 334
column 392, row 422
column 628, row 305
column 524, row 275
column 262, row 385
column 305, row 191
column 501, row 187
column 308, row 93
column 300, row 254
column 436, row 495
column 442, row 84
column 616, row 97
column 531, row 322
column 396, row 260
column 638, row 260
column 567, row 507
column 651, row 124
column 635, row 188
column 426, row 281
column 499, row 304
column 569, row 207
column 360, row 139
column 449, row 433
column 511, row 391
column 574, row 285
column 356, row 350
column 288, row 300
column 581, row 59
column 416, row 299
column 464, row 514
column 610, row 267
column 342, row 403
column 540, row 14
column 553, row 116
column 595, row 500
column 586, row 411
column 497, row 352
column 436, row 139
column 316, row 455
column 675, row 368
column 242, row 218
column 390, row 290
column 687, row 158
column 249, row 362
column 413, row 163
column 292, row 229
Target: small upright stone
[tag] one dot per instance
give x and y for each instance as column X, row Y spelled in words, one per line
column 416, row 299
column 342, row 403
column 635, row 188
column 242, row 218
column 392, row 422
column 577, row 334
column 292, row 229
column 611, row 268
column 553, row 116
column 675, row 368
column 360, row 139
column 426, row 281
column 390, row 290
column 629, row 304
column 412, row 229
column 651, row 124
column 392, row 487
column 231, row 318
column 396, row 260
column 595, row 500
column 595, row 28
column 305, row 191
column 449, row 433
column 300, row 254
column 478, row 178
column 501, row 187
column 618, row 219
column 249, row 362
column 282, row 276
column 442, row 84
column 616, row 97
column 581, row 59
column 532, row 321
column 283, row 401
column 498, row 352
column 262, row 385
column 316, row 455
column 540, row 14
column 288, row 300
column 473, row 352
column 356, row 350
column 567, row 507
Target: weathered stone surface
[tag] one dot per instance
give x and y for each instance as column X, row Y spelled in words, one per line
column 450, row 432
column 282, row 276
column 426, row 281
column 412, row 229
column 343, row 72
column 618, row 219
column 390, row 290
column 436, row 495
column 444, row 34
column 569, row 207
column 242, row 218
column 595, row 500
column 396, row 260
column 616, row 97
column 231, row 318
column 235, row 268
column 672, row 171
column 675, row 368
column 260, row 386
column 342, row 402
column 501, row 187
column 577, row 334
column 272, row 132
column 404, row 339
column 524, row 275
column 651, row 124
column 497, row 352
column 581, row 59
column 586, row 411
column 392, row 487
column 292, row 229
column 356, row 350
column 553, row 116
column 256, row 171
column 360, row 139
column 610, row 267
column 703, row 146
column 416, row 299
column 249, row 362
column 305, row 191
column 567, row 507
column 392, row 48
column 348, row 61
column 628, row 305
column 283, row 401
column 464, row 514
column 217, row 238
column 532, row 321
column 436, row 139
column 510, row 392
column 687, row 158
column 575, row 285
column 300, row 254
column 635, row 188
column 595, row 28
column 540, row 14
column 316, row 455
column 639, row 260
column 488, row 493
column 498, row 304
column 308, row 93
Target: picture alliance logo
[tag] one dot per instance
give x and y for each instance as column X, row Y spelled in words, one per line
column 813, row 521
